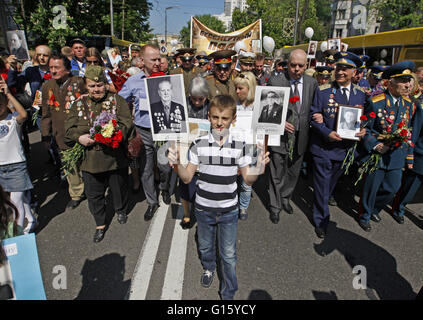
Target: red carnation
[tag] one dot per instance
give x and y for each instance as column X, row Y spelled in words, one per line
column 47, row 76
column 401, row 124
column 411, row 144
column 294, row 99
column 363, row 118
column 266, row 79
column 98, row 137
column 403, row 133
column 372, row 115
column 114, row 123
column 397, row 144
column 388, row 129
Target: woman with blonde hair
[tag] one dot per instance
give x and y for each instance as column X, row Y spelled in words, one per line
column 245, row 87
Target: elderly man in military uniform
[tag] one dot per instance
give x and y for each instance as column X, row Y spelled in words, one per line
column 375, row 80
column 203, row 64
column 135, row 51
column 220, row 82
column 323, row 74
column 360, row 77
column 188, row 70
column 167, row 115
column 393, row 109
column 103, row 166
column 58, row 94
column 328, row 149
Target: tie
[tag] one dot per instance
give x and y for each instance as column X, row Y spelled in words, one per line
column 344, row 93
column 397, row 104
column 167, row 111
column 297, row 93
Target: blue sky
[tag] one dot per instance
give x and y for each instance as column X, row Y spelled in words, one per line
column 178, row 18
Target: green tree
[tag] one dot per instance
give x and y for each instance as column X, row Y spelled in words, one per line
column 400, row 14
column 273, row 14
column 84, row 18
column 206, row 19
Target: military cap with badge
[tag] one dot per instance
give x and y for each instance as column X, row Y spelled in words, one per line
column 95, row 73
column 401, row 69
column 222, row 58
column 247, row 58
column 348, row 59
column 324, row 71
column 186, row 54
column 377, row 71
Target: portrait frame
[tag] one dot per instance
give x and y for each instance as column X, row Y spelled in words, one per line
column 274, row 123
column 22, row 53
column 334, row 44
column 311, row 54
column 342, row 126
column 177, row 128
column 344, row 47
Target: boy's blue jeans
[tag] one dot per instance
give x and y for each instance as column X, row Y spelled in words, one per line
column 226, row 226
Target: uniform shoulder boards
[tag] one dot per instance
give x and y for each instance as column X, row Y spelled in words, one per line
column 324, row 86
column 379, row 97
column 359, row 88
column 406, row 98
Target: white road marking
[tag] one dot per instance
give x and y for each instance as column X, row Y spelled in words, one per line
column 144, row 268
column 174, row 278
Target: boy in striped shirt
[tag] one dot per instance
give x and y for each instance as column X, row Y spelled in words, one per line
column 218, row 157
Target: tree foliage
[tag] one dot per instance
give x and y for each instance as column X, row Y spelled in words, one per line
column 274, row 12
column 400, row 14
column 208, row 20
column 84, row 18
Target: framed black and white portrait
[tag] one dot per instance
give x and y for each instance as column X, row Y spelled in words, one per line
column 270, row 109
column 348, row 122
column 17, row 44
column 344, row 47
column 312, row 48
column 167, row 107
column 334, row 44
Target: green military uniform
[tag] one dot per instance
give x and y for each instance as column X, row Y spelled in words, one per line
column 102, row 166
column 186, row 54
column 222, row 59
column 56, row 105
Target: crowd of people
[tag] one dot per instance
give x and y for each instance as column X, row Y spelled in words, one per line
column 68, row 93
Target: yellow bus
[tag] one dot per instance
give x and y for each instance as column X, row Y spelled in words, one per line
column 398, row 45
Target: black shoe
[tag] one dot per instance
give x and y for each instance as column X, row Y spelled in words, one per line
column 243, row 214
column 320, row 232
column 274, row 217
column 332, row 202
column 185, row 225
column 122, row 218
column 73, row 204
column 99, row 234
column 149, row 214
column 287, row 208
column 207, row 278
column 166, row 197
column 399, row 219
column 375, row 217
column 365, row 226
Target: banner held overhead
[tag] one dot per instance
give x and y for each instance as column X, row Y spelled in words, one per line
column 208, row 40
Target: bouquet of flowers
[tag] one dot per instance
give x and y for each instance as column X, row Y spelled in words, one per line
column 390, row 137
column 119, row 78
column 350, row 156
column 105, row 130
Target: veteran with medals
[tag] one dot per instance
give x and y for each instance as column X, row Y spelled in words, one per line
column 393, row 110
column 187, row 69
column 58, row 94
column 326, row 146
column 103, row 165
column 220, row 81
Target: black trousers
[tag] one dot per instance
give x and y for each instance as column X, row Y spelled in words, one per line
column 95, row 189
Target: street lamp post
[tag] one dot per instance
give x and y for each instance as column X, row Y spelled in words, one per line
column 296, row 23
column 111, row 18
column 168, row 8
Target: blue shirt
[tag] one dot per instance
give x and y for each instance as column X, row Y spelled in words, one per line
column 76, row 70
column 133, row 91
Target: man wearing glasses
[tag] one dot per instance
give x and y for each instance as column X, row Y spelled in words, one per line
column 220, row 81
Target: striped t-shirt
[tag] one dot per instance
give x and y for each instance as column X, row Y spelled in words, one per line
column 218, row 171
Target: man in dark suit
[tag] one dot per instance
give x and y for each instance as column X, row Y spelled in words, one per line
column 326, row 146
column 167, row 116
column 272, row 111
column 284, row 171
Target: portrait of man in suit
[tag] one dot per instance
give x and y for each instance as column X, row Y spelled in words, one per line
column 17, row 44
column 167, row 115
column 272, row 110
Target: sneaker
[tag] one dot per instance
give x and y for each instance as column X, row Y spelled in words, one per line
column 207, row 278
column 243, row 215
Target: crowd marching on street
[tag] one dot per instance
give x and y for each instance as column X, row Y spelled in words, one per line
column 90, row 109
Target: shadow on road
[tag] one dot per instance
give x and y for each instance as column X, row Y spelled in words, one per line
column 381, row 266
column 259, row 294
column 103, row 279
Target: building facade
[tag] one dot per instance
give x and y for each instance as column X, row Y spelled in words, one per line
column 230, row 6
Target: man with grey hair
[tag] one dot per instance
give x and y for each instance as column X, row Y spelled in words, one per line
column 137, row 62
column 286, row 159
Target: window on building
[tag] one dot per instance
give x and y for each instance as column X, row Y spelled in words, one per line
column 342, row 14
column 338, row 33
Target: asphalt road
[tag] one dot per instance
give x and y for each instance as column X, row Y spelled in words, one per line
column 157, row 259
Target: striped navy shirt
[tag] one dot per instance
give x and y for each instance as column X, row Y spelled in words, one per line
column 218, row 170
